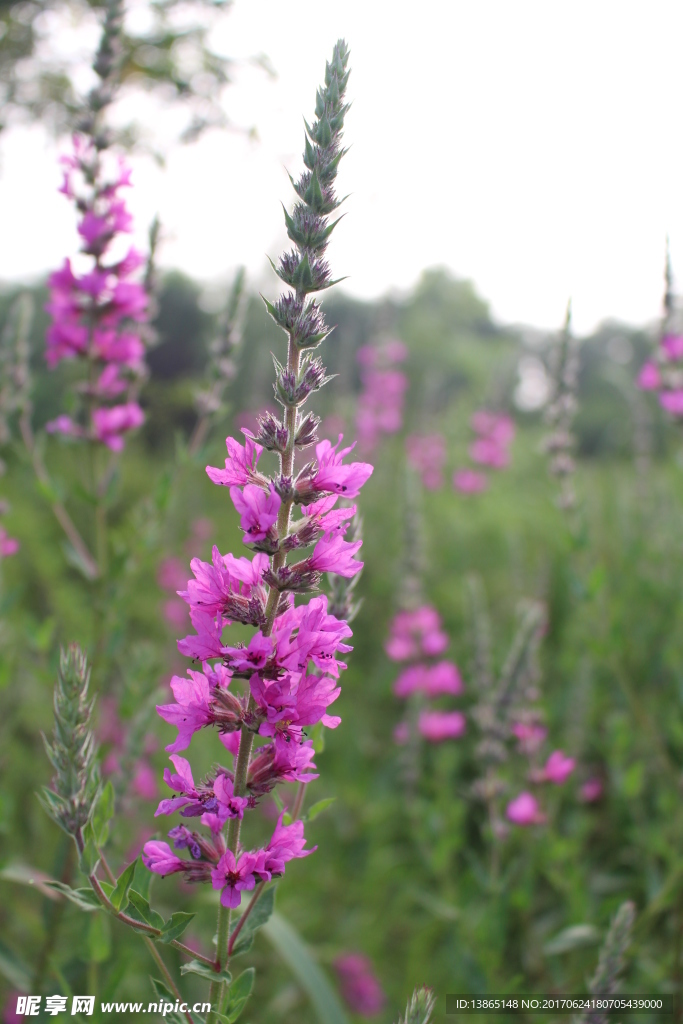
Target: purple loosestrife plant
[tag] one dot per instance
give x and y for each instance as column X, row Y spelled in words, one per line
column 262, row 696
column 98, row 307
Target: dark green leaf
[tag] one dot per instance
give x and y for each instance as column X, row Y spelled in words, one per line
column 89, row 857
column 119, row 896
column 139, row 908
column 175, row 926
column 103, row 813
column 240, row 990
column 258, row 917
column 204, row 971
column 164, row 995
column 142, row 879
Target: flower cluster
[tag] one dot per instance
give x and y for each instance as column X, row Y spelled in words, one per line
column 664, row 374
column 491, row 448
column 262, row 695
column 525, row 809
column 97, row 314
column 414, row 636
column 380, row 404
column 427, row 455
column 360, row 988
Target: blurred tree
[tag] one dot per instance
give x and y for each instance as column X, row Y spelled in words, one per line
column 165, row 49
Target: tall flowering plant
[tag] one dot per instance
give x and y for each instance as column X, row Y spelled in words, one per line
column 261, row 697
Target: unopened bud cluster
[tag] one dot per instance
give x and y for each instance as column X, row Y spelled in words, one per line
column 72, row 751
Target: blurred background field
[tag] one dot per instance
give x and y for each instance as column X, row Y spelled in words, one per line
column 402, row 873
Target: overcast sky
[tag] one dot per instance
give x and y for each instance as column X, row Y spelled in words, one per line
column 533, row 146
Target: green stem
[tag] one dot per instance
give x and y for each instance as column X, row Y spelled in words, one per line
column 240, row 924
column 217, row 989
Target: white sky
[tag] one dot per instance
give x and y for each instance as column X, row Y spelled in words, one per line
column 533, row 146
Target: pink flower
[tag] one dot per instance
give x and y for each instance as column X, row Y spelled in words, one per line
column 240, row 465
column 64, row 425
column 332, row 476
column 524, row 810
column 144, row 781
column 160, row 858
column 673, row 346
column 280, row 761
column 286, row 843
column 192, row 710
column 488, row 452
column 468, row 481
column 530, row 736
column 433, row 680
column 171, row 574
column 333, row 554
column 8, row 545
column 558, row 768
column 649, row 378
column 233, row 876
column 416, row 632
column 111, row 423
column 437, row 726
column 228, row 585
column 496, row 427
column 672, row 401
column 427, row 454
column 258, row 510
column 360, row 989
column 592, row 790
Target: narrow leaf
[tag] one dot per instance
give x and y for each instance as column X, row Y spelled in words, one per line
column 86, row 899
column 318, row 808
column 291, row 947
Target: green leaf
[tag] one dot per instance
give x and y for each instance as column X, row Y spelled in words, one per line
column 258, row 917
column 318, row 808
column 296, row 955
column 119, row 896
column 139, row 909
column 16, row 972
column 86, row 898
column 574, row 937
column 240, row 990
column 99, row 939
column 175, row 926
column 89, row 857
column 142, row 879
column 164, row 995
column 204, row 971
column 102, row 815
